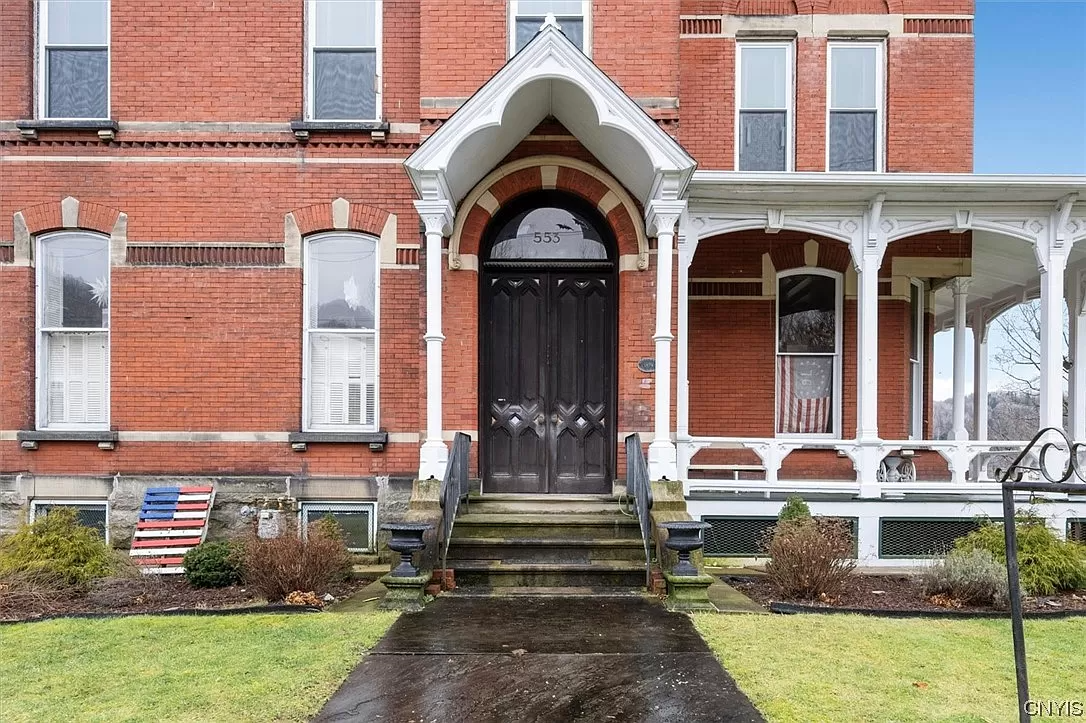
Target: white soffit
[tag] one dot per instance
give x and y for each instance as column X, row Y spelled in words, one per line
column 550, row 76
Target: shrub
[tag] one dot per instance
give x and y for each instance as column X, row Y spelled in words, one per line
column 213, row 564
column 970, row 576
column 794, row 509
column 57, row 546
column 1046, row 564
column 810, row 558
column 25, row 594
column 281, row 565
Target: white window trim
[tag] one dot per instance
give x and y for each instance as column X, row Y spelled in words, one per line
column 307, row 506
column 838, row 381
column 514, row 12
column 34, row 504
column 880, row 98
column 307, row 265
column 916, row 424
column 307, row 63
column 41, row 374
column 42, row 82
column 789, row 97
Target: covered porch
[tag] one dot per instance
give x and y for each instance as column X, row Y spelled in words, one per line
column 807, row 308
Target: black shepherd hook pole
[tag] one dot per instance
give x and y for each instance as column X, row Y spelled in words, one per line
column 1011, row 482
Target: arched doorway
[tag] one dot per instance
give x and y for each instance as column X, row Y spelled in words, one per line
column 548, row 348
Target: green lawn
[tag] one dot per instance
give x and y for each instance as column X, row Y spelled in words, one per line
column 808, row 668
column 229, row 668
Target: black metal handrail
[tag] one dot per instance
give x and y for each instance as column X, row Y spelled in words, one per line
column 1010, row 481
column 454, row 490
column 639, row 490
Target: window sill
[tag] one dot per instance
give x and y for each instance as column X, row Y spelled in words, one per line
column 29, row 439
column 378, row 130
column 299, row 441
column 106, row 128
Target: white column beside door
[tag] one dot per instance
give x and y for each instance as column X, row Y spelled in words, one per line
column 688, row 244
column 662, row 217
column 437, row 216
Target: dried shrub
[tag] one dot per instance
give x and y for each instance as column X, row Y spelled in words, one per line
column 1046, row 564
column 307, row 599
column 39, row 592
column 281, row 565
column 58, row 547
column 213, row 564
column 969, row 576
column 810, row 558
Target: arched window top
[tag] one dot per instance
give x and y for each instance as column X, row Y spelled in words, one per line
column 807, row 303
column 342, row 281
column 549, row 227
column 74, row 267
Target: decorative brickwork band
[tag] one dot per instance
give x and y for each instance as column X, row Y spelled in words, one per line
column 766, row 7
column 701, row 26
column 7, row 253
column 726, row 288
column 939, row 26
column 204, row 255
column 407, row 257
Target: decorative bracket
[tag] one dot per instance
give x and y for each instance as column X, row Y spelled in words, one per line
column 963, row 221
column 774, row 220
column 1063, row 214
column 870, row 240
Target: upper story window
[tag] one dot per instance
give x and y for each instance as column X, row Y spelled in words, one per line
column 916, row 359
column 73, row 59
column 808, row 352
column 764, row 123
column 855, row 107
column 342, row 284
column 344, row 60
column 527, row 16
column 73, row 331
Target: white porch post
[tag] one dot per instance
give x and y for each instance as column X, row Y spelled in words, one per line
column 980, row 376
column 688, row 244
column 960, row 288
column 437, row 217
column 1077, row 391
column 1052, row 338
column 661, row 219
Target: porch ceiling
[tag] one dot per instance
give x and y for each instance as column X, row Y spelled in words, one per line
column 550, row 77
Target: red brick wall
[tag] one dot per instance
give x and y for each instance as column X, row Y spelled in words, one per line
column 16, row 59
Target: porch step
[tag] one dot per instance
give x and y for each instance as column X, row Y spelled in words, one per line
column 601, row 573
column 542, row 504
column 513, row 591
column 552, row 526
column 544, row 549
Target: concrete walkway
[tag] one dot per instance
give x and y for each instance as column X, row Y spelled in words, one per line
column 540, row 659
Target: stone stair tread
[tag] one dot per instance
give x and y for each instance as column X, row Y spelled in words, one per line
column 544, row 542
column 545, row 591
column 498, row 497
column 513, row 518
column 502, row 566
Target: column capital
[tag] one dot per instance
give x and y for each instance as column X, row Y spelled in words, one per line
column 959, row 285
column 661, row 216
column 437, row 216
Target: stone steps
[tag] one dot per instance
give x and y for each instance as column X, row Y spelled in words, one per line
column 545, row 549
column 499, row 573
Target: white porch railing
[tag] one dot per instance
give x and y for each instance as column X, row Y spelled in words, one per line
column 972, row 466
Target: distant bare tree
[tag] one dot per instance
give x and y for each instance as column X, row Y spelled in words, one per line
column 1020, row 355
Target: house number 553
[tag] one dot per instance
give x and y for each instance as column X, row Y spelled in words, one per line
column 545, row 238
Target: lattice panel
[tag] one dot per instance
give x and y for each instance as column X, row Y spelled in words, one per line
column 915, row 537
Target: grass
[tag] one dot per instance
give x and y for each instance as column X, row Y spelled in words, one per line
column 809, row 668
column 229, row 668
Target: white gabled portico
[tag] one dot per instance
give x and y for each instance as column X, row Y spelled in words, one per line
column 549, row 77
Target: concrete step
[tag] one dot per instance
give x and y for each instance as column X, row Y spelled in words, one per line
column 556, row 526
column 543, row 504
column 545, row 549
column 604, row 573
column 513, row 591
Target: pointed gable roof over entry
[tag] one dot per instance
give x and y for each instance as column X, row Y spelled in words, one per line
column 550, row 77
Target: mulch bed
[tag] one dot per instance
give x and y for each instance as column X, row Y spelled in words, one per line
column 146, row 595
column 900, row 593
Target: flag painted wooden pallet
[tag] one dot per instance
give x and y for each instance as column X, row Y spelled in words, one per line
column 173, row 520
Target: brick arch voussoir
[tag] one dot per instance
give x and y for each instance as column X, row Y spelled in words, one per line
column 361, row 218
column 49, row 216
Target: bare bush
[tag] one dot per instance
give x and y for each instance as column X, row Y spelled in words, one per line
column 278, row 566
column 810, row 558
column 36, row 592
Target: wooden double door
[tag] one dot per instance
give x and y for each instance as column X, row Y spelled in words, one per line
column 548, row 364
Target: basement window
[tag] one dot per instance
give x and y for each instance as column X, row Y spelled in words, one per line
column 526, row 17
column 89, row 513
column 73, row 59
column 355, row 519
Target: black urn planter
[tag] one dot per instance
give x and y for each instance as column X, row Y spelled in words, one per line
column 407, row 538
column 684, row 536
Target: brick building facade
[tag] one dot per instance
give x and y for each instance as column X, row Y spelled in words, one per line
column 282, row 220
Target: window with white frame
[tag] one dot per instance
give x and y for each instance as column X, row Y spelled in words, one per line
column 342, row 291
column 73, row 59
column 916, row 359
column 89, row 513
column 73, row 331
column 854, row 135
column 355, row 521
column 764, row 123
column 344, row 60
column 527, row 16
column 808, row 352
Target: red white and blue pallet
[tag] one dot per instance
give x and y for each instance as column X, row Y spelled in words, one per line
column 173, row 520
